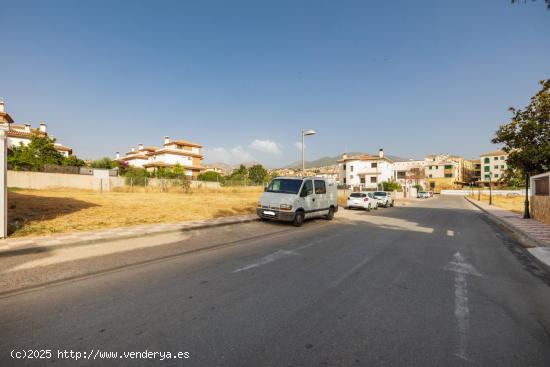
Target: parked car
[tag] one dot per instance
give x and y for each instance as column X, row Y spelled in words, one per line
column 362, row 200
column 384, row 198
column 423, row 195
column 294, row 199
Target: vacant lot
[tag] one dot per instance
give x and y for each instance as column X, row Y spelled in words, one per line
column 40, row 212
column 514, row 203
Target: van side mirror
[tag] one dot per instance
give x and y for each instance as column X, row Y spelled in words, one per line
column 303, row 193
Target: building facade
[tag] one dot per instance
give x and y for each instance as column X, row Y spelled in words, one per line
column 21, row 134
column 493, row 166
column 172, row 153
column 365, row 171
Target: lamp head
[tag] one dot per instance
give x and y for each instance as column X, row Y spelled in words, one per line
column 309, row 132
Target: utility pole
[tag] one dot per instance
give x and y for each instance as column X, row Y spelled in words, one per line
column 5, row 120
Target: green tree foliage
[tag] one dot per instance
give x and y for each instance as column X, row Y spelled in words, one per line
column 258, row 175
column 418, row 187
column 239, row 176
column 73, row 161
column 105, row 163
column 526, row 137
column 211, row 176
column 513, row 178
column 35, row 155
column 391, row 186
column 136, row 176
column 524, row 1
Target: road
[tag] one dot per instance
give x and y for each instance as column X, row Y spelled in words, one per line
column 426, row 284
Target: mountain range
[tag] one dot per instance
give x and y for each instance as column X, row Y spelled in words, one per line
column 330, row 161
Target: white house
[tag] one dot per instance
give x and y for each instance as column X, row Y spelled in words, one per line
column 21, row 134
column 173, row 152
column 365, row 171
column 409, row 172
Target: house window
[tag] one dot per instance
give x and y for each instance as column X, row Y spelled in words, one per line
column 496, row 167
column 351, row 177
column 496, row 175
column 448, row 166
column 430, row 175
column 363, row 179
column 502, row 158
column 430, row 167
column 502, row 167
column 373, row 165
column 344, row 180
column 486, row 160
column 351, row 168
column 373, row 180
column 487, row 177
column 344, row 166
column 448, row 175
column 486, row 168
column 495, row 158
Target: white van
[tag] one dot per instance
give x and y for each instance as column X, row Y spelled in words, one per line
column 294, row 199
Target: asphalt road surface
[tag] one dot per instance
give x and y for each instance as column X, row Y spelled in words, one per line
column 427, row 284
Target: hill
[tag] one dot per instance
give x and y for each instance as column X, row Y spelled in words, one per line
column 330, row 161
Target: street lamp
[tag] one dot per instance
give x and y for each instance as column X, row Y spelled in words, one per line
column 526, row 214
column 304, row 134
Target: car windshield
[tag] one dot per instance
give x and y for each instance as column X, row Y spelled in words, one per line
column 284, row 186
column 357, row 195
column 380, row 193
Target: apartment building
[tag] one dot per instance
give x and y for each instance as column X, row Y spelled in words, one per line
column 472, row 171
column 444, row 171
column 365, row 171
column 409, row 172
column 173, row 152
column 493, row 165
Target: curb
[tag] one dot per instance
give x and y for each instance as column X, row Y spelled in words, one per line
column 29, row 249
column 525, row 240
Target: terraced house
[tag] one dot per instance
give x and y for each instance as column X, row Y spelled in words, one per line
column 444, row 171
column 21, row 134
column 172, row 153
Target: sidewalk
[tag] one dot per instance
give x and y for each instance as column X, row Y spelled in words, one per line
column 34, row 244
column 533, row 235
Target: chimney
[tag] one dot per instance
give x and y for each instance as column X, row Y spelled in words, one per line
column 27, row 128
column 117, row 155
column 381, row 153
column 132, row 149
column 2, row 107
column 344, row 156
column 43, row 128
column 140, row 146
column 166, row 140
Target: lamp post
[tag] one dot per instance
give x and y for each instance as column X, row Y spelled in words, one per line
column 490, row 188
column 304, row 134
column 526, row 214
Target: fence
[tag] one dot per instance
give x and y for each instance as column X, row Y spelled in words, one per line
column 43, row 180
column 484, row 192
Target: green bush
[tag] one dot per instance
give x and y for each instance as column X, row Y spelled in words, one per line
column 136, row 176
column 391, row 186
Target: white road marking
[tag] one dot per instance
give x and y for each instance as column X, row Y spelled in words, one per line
column 450, row 233
column 349, row 273
column 279, row 254
column 462, row 312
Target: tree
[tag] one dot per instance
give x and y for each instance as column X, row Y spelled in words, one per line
column 105, row 163
column 73, row 161
column 36, row 154
column 390, row 186
column 258, row 174
column 211, row 176
column 546, row 1
column 526, row 137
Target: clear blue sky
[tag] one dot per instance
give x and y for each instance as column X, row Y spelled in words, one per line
column 413, row 77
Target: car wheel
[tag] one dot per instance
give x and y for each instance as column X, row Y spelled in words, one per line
column 391, row 204
column 298, row 219
column 330, row 214
column 368, row 208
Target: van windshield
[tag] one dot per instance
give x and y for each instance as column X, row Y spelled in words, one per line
column 284, row 186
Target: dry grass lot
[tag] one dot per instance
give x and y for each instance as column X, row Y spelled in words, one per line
column 41, row 212
column 514, row 203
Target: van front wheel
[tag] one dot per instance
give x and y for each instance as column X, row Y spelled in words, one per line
column 330, row 214
column 298, row 219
